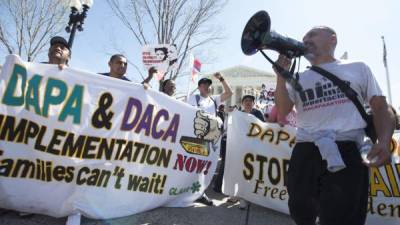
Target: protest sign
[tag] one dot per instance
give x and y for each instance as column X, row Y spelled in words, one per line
column 162, row 57
column 72, row 142
column 257, row 161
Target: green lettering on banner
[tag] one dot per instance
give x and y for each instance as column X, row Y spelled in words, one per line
column 73, row 106
column 51, row 98
column 32, row 94
column 10, row 98
column 18, row 93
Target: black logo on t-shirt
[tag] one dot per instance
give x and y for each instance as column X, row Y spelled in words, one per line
column 324, row 94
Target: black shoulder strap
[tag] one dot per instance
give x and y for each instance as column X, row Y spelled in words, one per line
column 347, row 90
column 198, row 100
column 215, row 105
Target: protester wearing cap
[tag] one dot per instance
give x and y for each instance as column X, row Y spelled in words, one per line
column 59, row 52
column 204, row 100
column 209, row 104
column 248, row 102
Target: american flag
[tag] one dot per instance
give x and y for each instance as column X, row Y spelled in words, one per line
column 196, row 69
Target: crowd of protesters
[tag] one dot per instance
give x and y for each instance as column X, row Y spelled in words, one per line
column 60, row 53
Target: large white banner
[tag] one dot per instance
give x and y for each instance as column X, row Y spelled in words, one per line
column 74, row 142
column 257, row 160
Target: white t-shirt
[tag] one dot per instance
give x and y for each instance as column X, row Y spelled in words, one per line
column 206, row 104
column 322, row 105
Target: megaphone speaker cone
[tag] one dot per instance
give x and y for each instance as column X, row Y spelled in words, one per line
column 257, row 35
column 254, row 31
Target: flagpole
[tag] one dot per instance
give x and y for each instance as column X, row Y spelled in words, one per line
column 387, row 70
column 191, row 60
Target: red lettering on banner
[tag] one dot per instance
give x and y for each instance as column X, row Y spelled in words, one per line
column 192, row 164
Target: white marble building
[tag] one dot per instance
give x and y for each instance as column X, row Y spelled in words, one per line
column 243, row 80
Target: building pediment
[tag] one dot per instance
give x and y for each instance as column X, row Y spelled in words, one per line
column 244, row 71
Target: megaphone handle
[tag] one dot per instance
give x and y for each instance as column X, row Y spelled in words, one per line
column 293, row 67
column 284, row 73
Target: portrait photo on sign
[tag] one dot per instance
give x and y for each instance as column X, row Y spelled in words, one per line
column 162, row 57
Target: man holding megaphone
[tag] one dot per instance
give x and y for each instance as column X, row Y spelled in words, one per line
column 327, row 176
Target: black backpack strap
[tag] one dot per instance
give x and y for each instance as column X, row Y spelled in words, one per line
column 212, row 99
column 197, row 100
column 215, row 105
column 347, row 90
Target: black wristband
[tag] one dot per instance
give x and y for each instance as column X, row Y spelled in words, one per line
column 221, row 79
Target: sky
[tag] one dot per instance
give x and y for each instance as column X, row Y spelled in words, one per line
column 359, row 25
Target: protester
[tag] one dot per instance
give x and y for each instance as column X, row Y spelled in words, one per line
column 210, row 105
column 275, row 117
column 59, row 52
column 263, row 94
column 248, row 102
column 396, row 118
column 222, row 152
column 206, row 102
column 168, row 87
column 221, row 112
column 327, row 178
column 119, row 64
column 248, row 106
